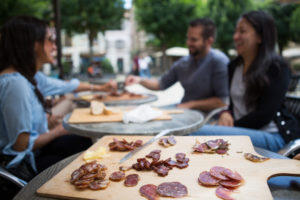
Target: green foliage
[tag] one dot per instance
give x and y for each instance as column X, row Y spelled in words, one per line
column 91, row 15
column 166, row 20
column 37, row 8
column 225, row 14
column 106, row 66
column 282, row 16
column 295, row 25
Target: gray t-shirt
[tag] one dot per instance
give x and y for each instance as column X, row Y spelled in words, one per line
column 201, row 79
column 237, row 92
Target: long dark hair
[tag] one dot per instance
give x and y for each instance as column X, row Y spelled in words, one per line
column 256, row 78
column 17, row 41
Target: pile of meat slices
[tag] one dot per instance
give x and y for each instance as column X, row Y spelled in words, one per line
column 161, row 167
column 90, row 175
column 226, row 180
column 167, row 189
column 123, row 145
column 218, row 146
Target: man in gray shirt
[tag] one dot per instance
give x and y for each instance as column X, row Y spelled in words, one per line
column 203, row 74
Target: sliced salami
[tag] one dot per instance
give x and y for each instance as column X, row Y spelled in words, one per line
column 207, row 180
column 172, row 189
column 217, row 173
column 149, row 192
column 230, row 183
column 117, row 176
column 99, row 184
column 131, row 180
column 224, row 193
column 232, row 175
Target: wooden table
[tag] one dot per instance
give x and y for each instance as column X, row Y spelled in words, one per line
column 29, row 191
column 182, row 124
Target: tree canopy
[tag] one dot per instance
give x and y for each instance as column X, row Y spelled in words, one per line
column 166, row 20
column 91, row 16
column 37, row 8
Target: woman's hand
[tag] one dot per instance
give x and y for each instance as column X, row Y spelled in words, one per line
column 110, row 86
column 54, row 120
column 225, row 119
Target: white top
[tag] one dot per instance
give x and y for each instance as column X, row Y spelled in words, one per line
column 144, row 62
column 237, row 91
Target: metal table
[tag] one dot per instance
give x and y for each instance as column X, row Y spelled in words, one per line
column 184, row 123
column 279, row 192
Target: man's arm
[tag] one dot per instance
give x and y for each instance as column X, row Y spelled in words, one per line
column 204, row 104
column 152, row 84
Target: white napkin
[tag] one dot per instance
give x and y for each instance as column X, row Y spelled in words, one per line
column 141, row 114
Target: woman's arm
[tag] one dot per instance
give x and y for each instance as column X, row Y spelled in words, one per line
column 22, row 141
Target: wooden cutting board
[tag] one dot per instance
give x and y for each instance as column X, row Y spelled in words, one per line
column 255, row 174
column 82, row 115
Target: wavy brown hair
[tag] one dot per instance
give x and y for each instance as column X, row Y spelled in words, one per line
column 17, row 41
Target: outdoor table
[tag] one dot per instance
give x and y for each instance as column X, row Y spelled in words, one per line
column 148, row 99
column 184, row 123
column 29, row 191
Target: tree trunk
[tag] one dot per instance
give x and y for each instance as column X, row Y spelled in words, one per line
column 91, row 36
column 164, row 59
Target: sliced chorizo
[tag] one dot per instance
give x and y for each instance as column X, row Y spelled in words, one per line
column 149, row 192
column 117, row 176
column 207, row 180
column 131, row 180
column 172, row 189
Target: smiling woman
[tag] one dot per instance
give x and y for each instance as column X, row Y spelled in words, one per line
column 258, row 80
column 26, row 143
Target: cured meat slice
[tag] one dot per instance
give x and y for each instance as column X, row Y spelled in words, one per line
column 99, row 184
column 117, row 176
column 224, row 193
column 149, row 191
column 77, row 174
column 217, row 173
column 181, row 165
column 232, row 175
column 172, row 189
column 254, row 158
column 207, row 180
column 155, row 154
column 131, row 180
column 171, row 140
column 162, row 170
column 125, row 168
column 230, row 183
column 180, row 157
column 166, row 142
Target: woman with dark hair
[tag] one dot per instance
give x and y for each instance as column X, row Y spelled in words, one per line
column 27, row 146
column 258, row 80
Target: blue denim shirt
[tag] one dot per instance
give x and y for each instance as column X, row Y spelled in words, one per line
column 21, row 111
column 52, row 86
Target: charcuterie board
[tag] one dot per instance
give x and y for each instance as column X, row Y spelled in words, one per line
column 83, row 115
column 254, row 174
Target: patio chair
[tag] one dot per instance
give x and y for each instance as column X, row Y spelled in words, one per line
column 10, row 184
column 294, row 82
